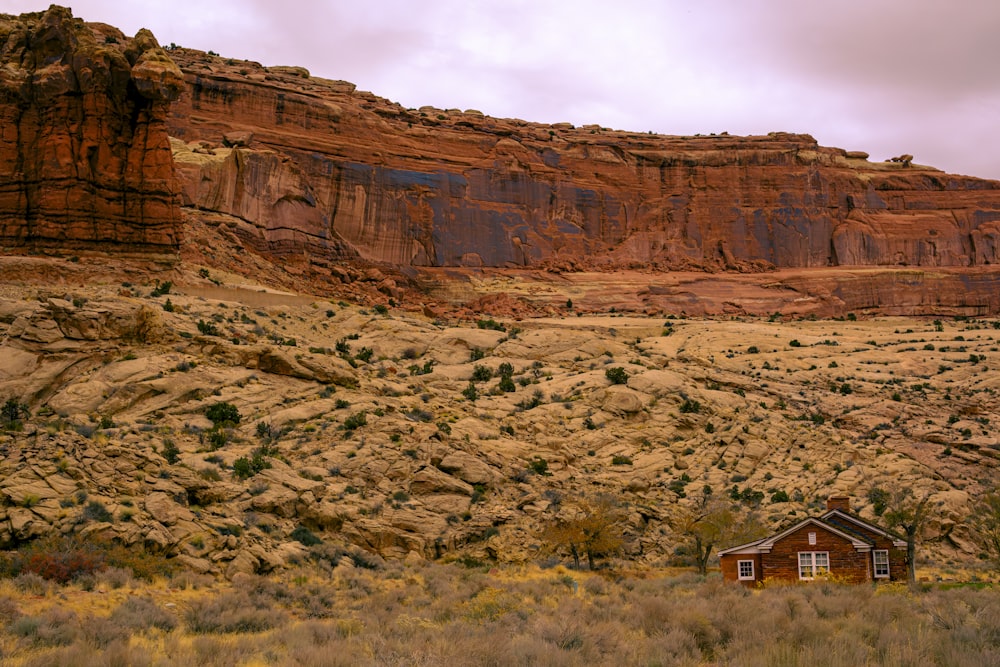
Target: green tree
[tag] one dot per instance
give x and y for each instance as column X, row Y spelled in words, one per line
column 223, row 414
column 12, row 412
column 617, row 375
column 481, row 373
column 470, row 392
column 595, row 527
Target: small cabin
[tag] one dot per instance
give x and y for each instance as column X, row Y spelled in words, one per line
column 838, row 545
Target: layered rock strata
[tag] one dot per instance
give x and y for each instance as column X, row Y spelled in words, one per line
column 84, row 151
column 317, row 165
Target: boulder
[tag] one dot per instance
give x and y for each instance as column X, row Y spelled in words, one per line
column 467, row 468
column 433, row 481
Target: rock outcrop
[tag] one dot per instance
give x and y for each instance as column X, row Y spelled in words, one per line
column 330, row 169
column 84, row 150
column 319, row 181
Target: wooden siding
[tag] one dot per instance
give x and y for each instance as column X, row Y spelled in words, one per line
column 846, row 562
column 897, row 557
column 729, row 564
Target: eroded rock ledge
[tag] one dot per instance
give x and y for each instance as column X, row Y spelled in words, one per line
column 84, row 150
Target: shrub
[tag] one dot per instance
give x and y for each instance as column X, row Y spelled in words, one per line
column 795, row 343
column 304, row 536
column 490, row 323
column 58, row 559
column 223, row 414
column 244, row 468
column 233, row 612
column 621, row 460
column 141, row 613
column 779, row 497
column 481, row 373
column 533, row 402
column 207, row 328
column 170, row 452
column 539, row 466
column 690, row 406
column 217, row 438
column 96, row 511
column 616, row 375
column 356, row 420
column 12, row 412
column 264, row 431
column 53, row 627
column 470, row 392
column 505, row 369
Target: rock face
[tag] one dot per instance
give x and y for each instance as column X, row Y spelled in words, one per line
column 331, row 169
column 319, row 181
column 84, row 150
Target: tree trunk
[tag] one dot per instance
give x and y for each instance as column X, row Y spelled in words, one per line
column 576, row 556
column 911, row 555
column 701, row 556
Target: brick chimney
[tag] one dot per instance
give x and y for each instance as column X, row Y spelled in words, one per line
column 842, row 503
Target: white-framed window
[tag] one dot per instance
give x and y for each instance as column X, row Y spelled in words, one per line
column 813, row 564
column 744, row 569
column 881, row 558
column 812, row 539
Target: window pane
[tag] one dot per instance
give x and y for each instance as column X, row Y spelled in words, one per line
column 822, row 563
column 881, row 563
column 805, row 565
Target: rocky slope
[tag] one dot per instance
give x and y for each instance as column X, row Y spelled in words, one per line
column 83, row 147
column 365, row 432
column 311, row 209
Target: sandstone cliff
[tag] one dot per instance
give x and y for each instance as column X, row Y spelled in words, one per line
column 84, row 150
column 310, row 181
column 320, row 166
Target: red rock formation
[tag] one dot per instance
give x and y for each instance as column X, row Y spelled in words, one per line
column 311, row 172
column 330, row 167
column 84, row 150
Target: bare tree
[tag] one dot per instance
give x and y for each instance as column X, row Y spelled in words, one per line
column 712, row 522
column 903, row 511
column 594, row 527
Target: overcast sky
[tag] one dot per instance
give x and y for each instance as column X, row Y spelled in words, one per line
column 883, row 76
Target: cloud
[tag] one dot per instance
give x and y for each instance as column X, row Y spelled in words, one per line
column 885, row 76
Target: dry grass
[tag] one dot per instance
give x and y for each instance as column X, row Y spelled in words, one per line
column 443, row 614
